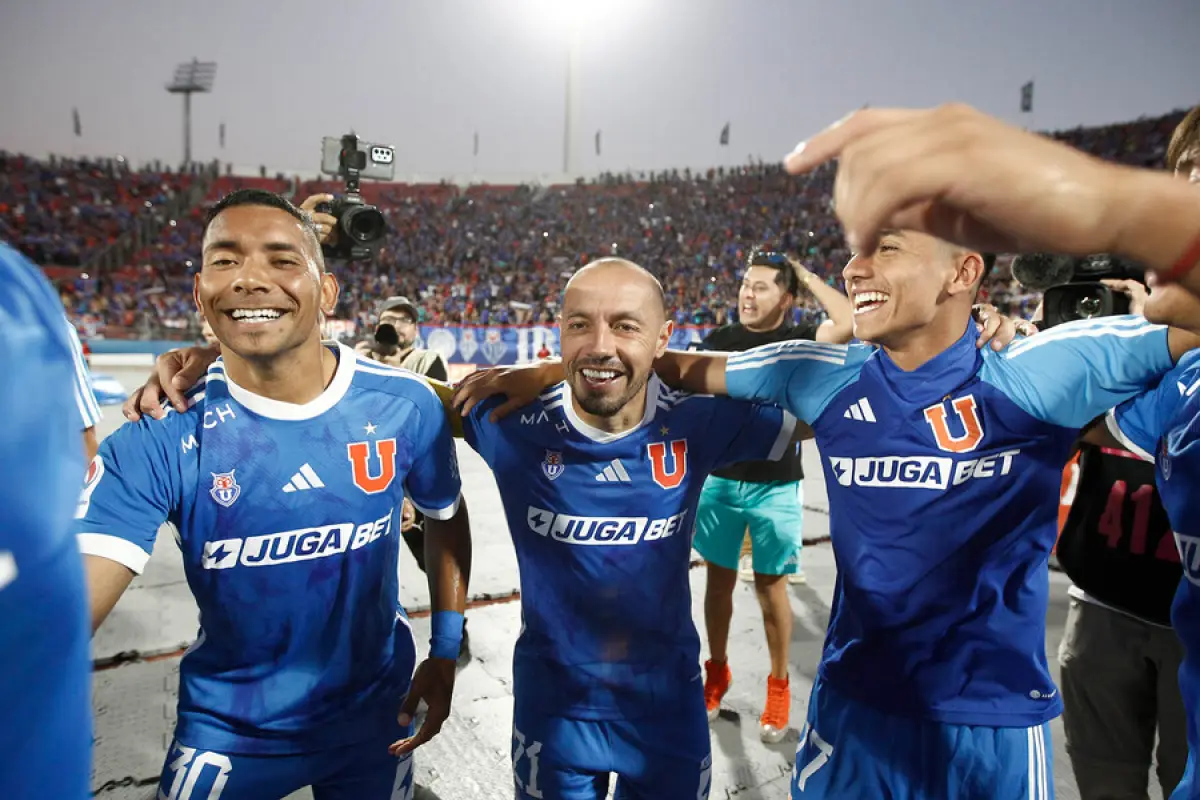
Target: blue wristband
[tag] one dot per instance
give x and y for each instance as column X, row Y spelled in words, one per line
column 446, row 638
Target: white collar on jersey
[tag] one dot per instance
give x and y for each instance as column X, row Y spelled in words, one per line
column 653, row 389
column 277, row 409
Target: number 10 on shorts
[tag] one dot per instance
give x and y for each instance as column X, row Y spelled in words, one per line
column 803, row 770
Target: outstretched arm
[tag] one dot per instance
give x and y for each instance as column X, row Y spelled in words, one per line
column 839, row 328
column 693, row 371
column 448, row 566
column 973, row 180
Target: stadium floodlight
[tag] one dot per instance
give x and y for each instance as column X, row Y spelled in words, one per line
column 191, row 77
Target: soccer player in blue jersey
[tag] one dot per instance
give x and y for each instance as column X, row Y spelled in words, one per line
column 85, row 396
column 600, row 479
column 284, row 479
column 933, row 681
column 1163, row 426
column 45, row 666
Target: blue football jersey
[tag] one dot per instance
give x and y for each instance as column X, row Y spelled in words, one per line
column 287, row 517
column 943, row 495
column 602, row 525
column 45, row 666
column 1164, row 425
column 85, row 396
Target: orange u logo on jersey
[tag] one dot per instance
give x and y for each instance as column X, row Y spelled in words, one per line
column 658, row 463
column 967, row 411
column 360, row 456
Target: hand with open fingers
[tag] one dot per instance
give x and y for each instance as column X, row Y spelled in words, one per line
column 967, row 178
column 1134, row 290
column 175, row 371
column 996, row 328
column 521, row 385
column 326, row 224
column 433, row 682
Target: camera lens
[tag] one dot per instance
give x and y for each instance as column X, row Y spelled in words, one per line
column 364, row 224
column 1088, row 306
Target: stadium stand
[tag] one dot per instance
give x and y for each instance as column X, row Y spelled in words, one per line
column 484, row 254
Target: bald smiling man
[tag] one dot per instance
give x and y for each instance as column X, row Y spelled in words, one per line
column 600, row 478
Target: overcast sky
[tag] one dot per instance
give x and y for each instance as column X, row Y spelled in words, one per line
column 659, row 77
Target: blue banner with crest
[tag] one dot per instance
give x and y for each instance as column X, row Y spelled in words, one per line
column 501, row 345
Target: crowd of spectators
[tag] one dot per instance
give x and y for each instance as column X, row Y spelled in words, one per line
column 488, row 255
column 60, row 211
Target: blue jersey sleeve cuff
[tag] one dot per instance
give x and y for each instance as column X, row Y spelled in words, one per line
column 434, row 512
column 1142, row 450
column 113, row 548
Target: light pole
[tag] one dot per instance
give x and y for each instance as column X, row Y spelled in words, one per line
column 190, row 78
column 571, row 111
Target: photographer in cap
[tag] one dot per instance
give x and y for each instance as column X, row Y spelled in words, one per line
column 394, row 344
column 395, row 339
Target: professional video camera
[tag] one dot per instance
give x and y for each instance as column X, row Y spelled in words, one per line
column 361, row 227
column 1071, row 285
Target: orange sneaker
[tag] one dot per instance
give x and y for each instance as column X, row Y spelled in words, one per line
column 773, row 724
column 717, row 679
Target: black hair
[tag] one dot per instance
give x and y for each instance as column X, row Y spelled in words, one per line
column 785, row 276
column 989, row 262
column 254, row 197
column 261, row 197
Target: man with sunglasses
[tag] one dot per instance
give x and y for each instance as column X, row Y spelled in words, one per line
column 760, row 498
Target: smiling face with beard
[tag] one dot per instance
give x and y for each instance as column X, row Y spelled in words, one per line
column 613, row 327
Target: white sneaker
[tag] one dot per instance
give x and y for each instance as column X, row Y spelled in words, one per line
column 797, row 578
column 746, row 568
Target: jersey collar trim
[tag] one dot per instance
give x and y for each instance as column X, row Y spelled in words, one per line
column 653, row 390
column 277, row 409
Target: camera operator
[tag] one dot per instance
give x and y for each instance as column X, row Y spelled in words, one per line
column 1119, row 655
column 394, row 341
column 394, row 344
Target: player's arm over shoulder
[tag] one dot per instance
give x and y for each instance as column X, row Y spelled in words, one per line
column 1141, row 422
column 801, row 376
column 1077, row 371
column 754, row 431
column 433, row 483
column 132, row 487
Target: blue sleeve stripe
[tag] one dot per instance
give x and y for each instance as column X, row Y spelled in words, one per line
column 392, row 372
column 787, row 428
column 792, row 344
column 1121, row 327
column 752, row 360
column 85, row 398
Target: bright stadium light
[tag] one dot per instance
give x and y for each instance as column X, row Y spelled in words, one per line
column 568, row 20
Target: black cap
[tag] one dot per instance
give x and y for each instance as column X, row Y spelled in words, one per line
column 399, row 304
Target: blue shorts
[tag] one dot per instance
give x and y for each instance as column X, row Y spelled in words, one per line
column 361, row 771
column 848, row 749
column 1189, row 784
column 666, row 756
column 773, row 513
